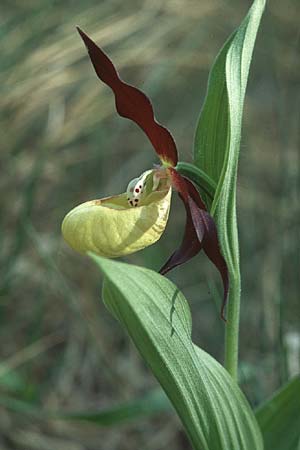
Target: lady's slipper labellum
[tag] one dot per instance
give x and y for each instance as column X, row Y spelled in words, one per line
column 114, row 227
column 123, row 224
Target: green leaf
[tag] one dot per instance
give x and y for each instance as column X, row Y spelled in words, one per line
column 156, row 315
column 216, row 152
column 218, row 133
column 279, row 418
column 206, row 185
column 211, row 138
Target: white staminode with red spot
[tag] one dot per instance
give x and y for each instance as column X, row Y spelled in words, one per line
column 136, row 187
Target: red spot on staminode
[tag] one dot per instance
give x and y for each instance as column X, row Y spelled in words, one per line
column 137, row 190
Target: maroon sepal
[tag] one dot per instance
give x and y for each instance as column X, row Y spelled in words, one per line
column 189, row 247
column 200, row 232
column 132, row 103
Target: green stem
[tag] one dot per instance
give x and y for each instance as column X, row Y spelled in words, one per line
column 232, row 326
column 199, row 177
column 204, row 182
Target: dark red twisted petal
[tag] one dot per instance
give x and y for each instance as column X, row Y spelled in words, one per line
column 132, row 103
column 189, row 247
column 210, row 244
column 200, row 232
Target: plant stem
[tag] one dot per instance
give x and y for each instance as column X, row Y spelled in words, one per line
column 234, row 296
column 232, row 326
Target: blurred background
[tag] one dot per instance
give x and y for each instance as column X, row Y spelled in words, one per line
column 62, row 143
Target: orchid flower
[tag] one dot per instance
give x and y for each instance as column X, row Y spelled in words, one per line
column 122, row 224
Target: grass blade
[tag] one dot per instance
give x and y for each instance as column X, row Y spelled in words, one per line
column 279, row 418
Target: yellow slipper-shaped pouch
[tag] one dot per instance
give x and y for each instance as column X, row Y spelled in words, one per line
column 112, row 227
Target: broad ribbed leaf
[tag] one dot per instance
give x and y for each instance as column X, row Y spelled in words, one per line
column 279, row 418
column 156, row 315
column 218, row 134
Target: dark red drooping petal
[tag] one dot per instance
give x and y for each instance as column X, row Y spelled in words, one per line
column 200, row 232
column 132, row 103
column 210, row 243
column 189, row 247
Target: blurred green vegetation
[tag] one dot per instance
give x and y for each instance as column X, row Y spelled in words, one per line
column 62, row 143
